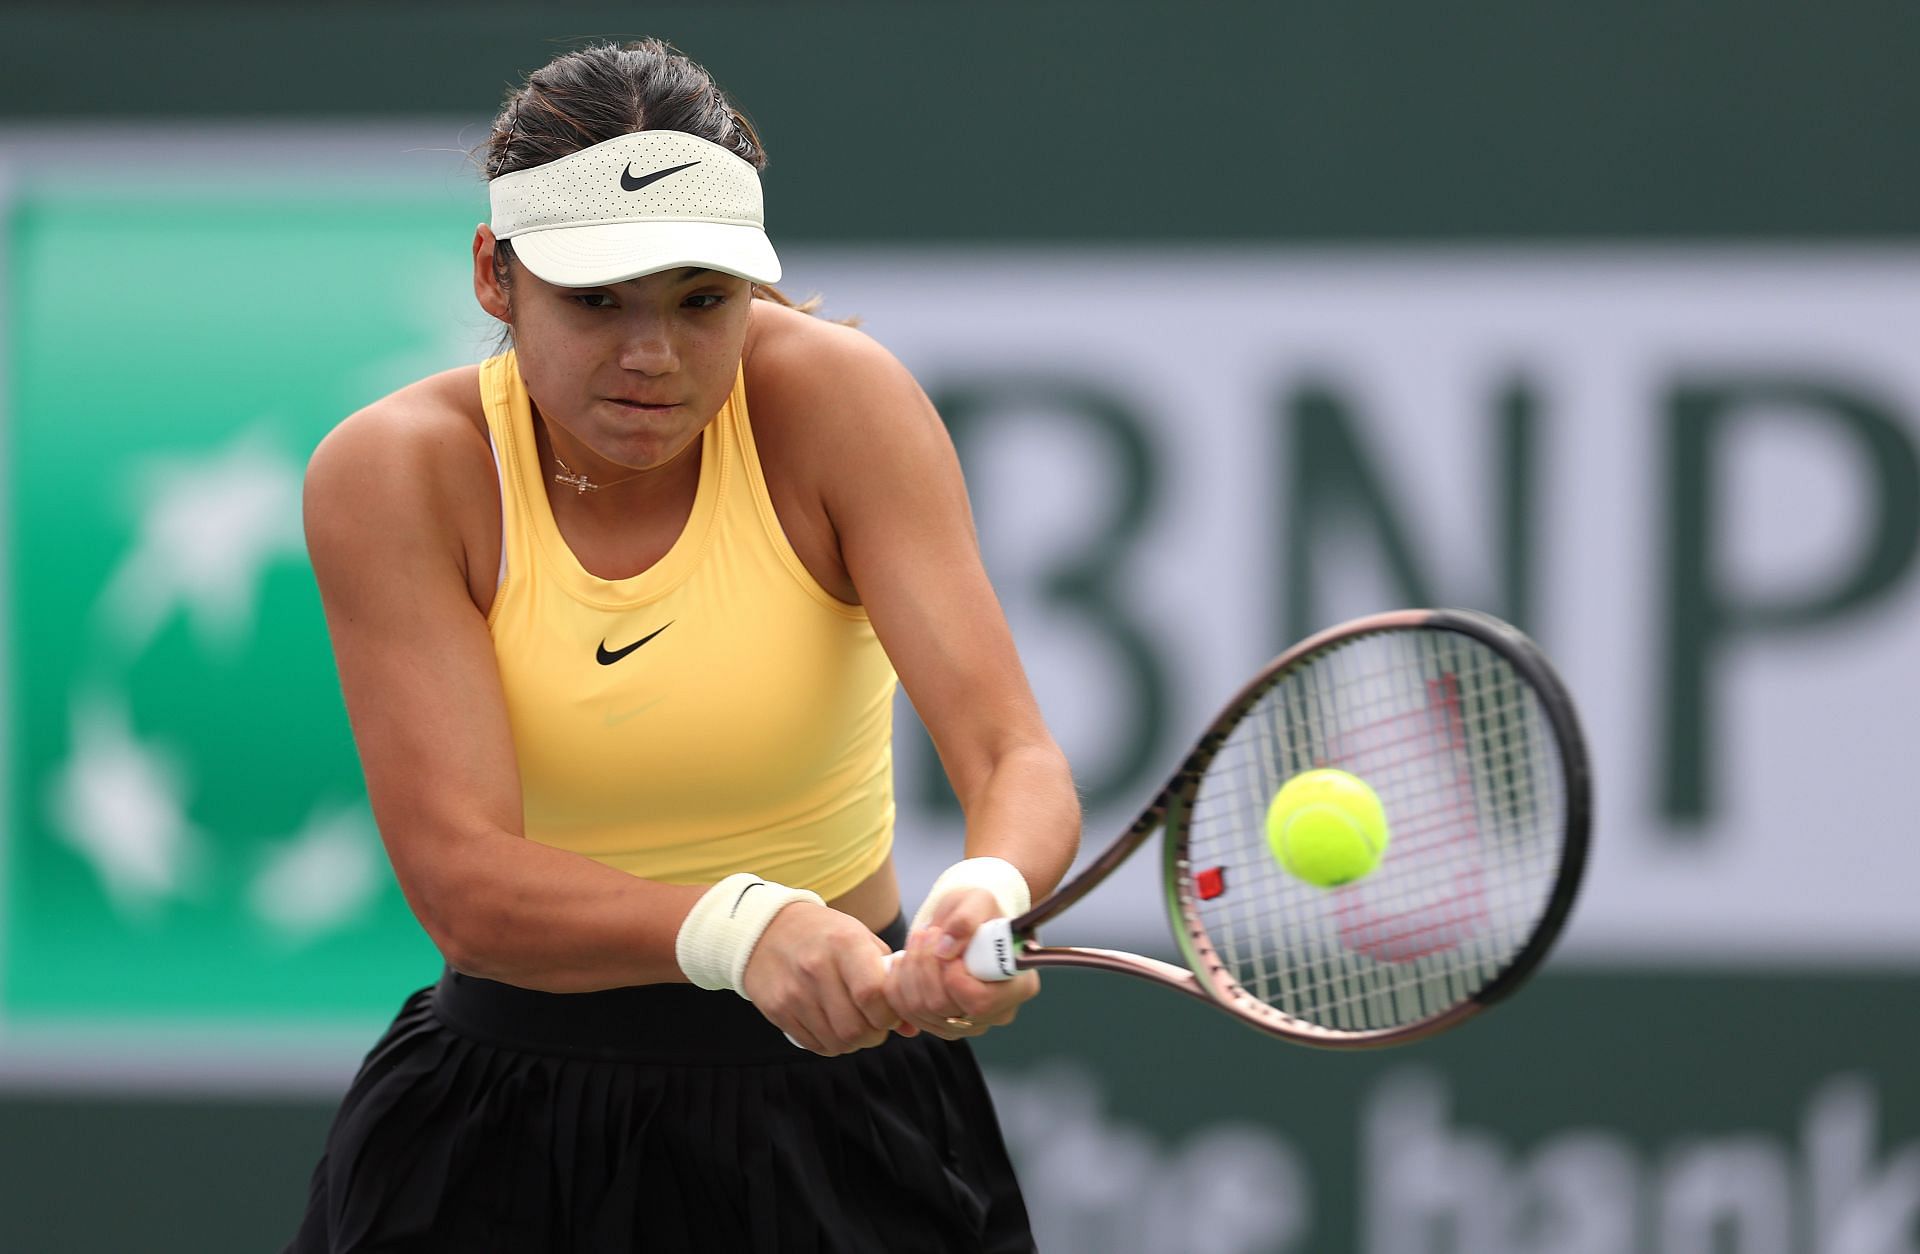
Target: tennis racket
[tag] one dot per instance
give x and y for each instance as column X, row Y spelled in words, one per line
column 1470, row 740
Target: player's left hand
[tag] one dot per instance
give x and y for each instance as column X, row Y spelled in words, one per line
column 929, row 985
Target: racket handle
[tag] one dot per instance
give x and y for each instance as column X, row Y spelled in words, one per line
column 990, row 954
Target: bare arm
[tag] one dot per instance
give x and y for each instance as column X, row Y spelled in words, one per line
column 423, row 693
column 907, row 536
column 898, row 506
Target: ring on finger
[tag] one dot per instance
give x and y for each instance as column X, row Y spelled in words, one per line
column 959, row 1021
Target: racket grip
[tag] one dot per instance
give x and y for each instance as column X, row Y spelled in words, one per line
column 990, row 954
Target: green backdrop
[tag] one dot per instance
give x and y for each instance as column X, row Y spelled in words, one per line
column 204, row 696
column 1372, row 119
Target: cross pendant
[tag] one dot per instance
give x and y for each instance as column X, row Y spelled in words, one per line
column 578, row 483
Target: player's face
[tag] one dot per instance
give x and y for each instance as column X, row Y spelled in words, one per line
column 633, row 370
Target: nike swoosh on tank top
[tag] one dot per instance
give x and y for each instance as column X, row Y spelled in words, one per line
column 753, row 732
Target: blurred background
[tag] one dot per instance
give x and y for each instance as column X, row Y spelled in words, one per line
column 1246, row 319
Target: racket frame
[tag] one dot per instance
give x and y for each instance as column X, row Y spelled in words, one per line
column 1207, row 976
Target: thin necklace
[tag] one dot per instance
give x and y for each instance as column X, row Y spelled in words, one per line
column 580, row 483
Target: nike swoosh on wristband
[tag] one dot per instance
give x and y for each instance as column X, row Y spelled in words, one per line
column 629, row 183
column 607, row 657
column 743, row 896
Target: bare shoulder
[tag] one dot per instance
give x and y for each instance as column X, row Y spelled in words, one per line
column 437, row 418
column 835, row 384
column 416, row 459
column 780, row 335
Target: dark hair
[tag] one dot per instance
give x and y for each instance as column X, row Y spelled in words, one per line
column 604, row 91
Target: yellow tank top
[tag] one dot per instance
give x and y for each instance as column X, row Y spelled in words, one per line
column 718, row 712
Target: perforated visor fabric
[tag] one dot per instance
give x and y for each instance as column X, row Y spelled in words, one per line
column 634, row 205
column 1464, row 759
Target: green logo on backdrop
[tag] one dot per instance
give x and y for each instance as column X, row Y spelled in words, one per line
column 190, row 843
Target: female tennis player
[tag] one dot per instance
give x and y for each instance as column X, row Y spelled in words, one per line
column 618, row 616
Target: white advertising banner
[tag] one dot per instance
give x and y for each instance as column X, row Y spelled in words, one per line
column 1688, row 472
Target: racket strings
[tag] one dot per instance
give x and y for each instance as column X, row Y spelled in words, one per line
column 1459, row 749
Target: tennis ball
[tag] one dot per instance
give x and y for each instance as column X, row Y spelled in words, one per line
column 1327, row 827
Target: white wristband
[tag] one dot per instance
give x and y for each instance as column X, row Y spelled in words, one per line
column 721, row 930
column 996, row 875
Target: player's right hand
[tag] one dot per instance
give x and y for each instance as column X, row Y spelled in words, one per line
column 820, row 976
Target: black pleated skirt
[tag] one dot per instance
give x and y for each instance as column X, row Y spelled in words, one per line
column 662, row 1119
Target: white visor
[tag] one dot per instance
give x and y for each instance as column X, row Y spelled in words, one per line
column 638, row 204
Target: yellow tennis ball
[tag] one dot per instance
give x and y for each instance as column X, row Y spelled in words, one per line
column 1327, row 827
